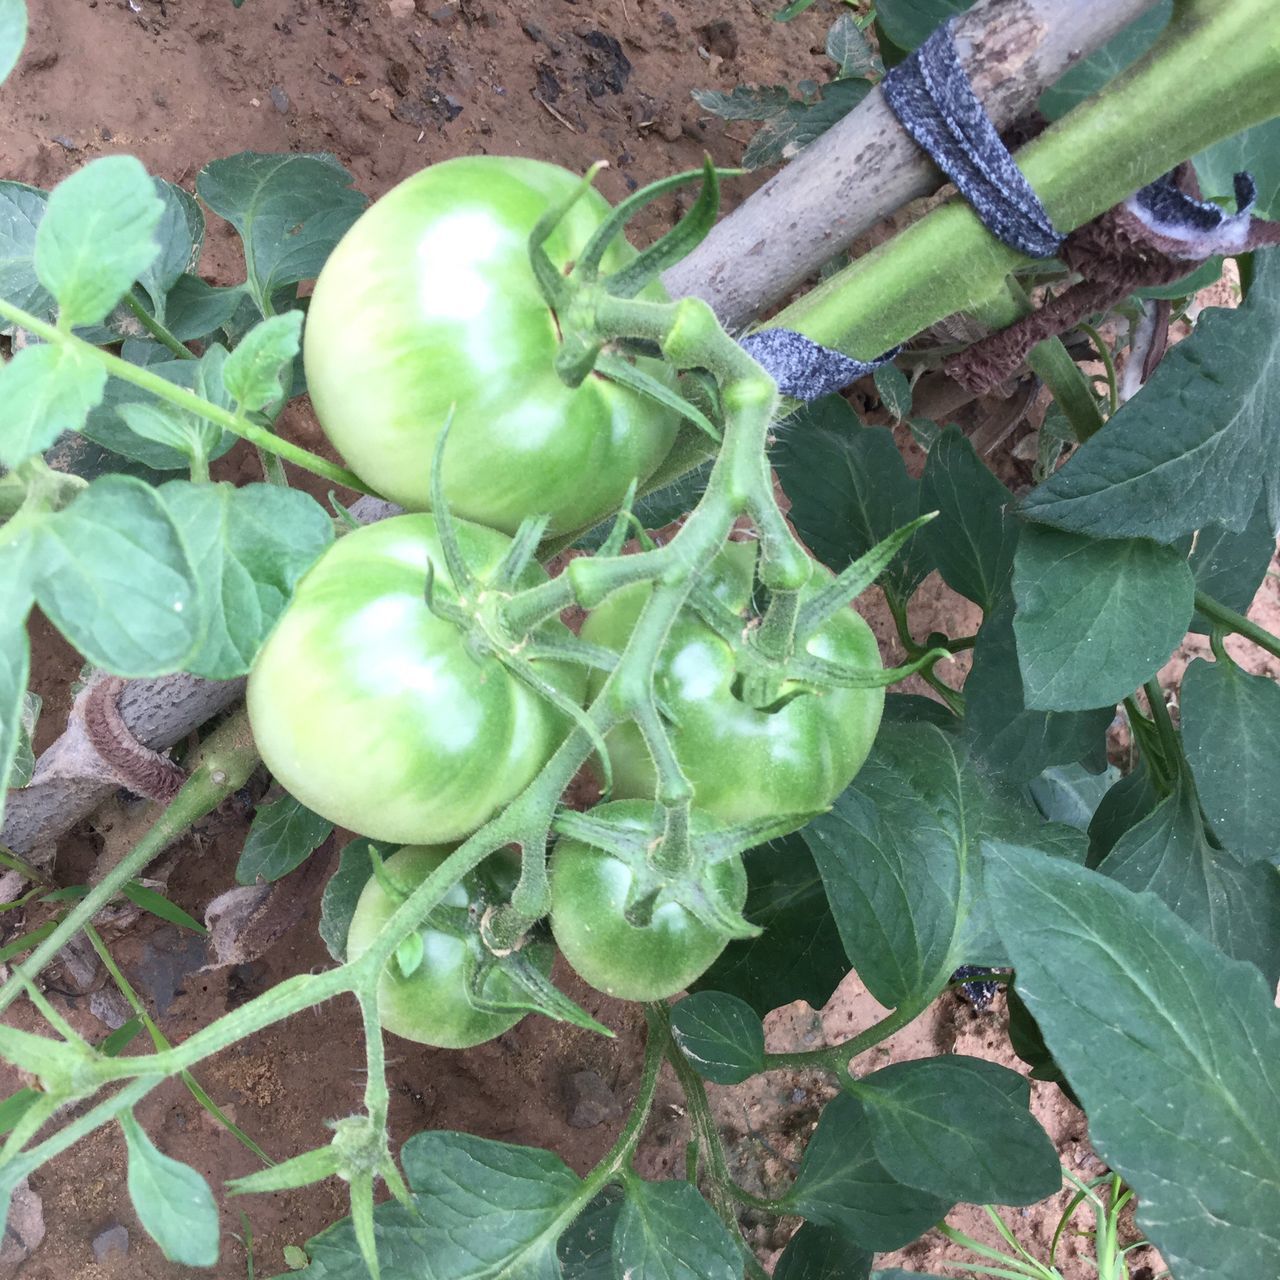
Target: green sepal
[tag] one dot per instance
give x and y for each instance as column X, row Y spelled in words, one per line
column 300, row 1171
column 628, row 375
column 529, row 989
column 702, row 902
column 570, row 649
column 464, row 581
column 551, row 280
column 623, row 523
column 410, row 953
column 520, row 554
column 820, row 673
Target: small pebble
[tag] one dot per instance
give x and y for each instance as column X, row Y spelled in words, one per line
column 279, row 99
column 111, row 1243
column 591, row 1101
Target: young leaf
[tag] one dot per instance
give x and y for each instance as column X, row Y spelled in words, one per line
column 816, row 1252
column 667, row 1231
column 1231, row 734
column 283, row 835
column 182, row 432
column 973, row 539
column 1095, row 619
column 1088, row 76
column 180, row 234
column 13, row 34
column 46, row 390
column 1196, row 445
column 720, row 1035
column 173, row 1202
column 1014, row 742
column 1236, row 905
column 290, row 211
column 252, row 371
column 960, row 1128
column 849, row 490
column 848, row 48
column 249, row 546
column 480, row 1208
column 21, row 208
column 117, row 581
column 342, row 892
column 1071, row 794
column 843, row 1184
column 1172, row 1048
column 798, row 956
column 97, row 237
column 894, row 387
column 1230, row 566
column 195, row 308
column 909, row 23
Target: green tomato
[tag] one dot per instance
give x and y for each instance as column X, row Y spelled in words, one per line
column 743, row 762
column 650, row 961
column 431, row 1005
column 428, row 306
column 376, row 713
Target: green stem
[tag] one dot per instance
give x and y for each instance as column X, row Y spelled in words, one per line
column 181, row 398
column 836, row 1057
column 1164, row 725
column 1108, row 364
column 1230, row 620
column 156, row 329
column 1213, row 73
column 227, row 758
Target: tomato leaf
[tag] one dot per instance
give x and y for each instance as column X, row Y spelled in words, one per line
column 1231, row 733
column 847, row 46
column 1195, row 445
column 1172, row 1049
column 117, row 580
column 15, row 657
column 249, row 547
column 960, row 1128
column 844, row 1185
column 586, row 1247
column 667, row 1231
column 342, row 892
column 290, row 211
column 973, row 539
column 173, row 1202
column 180, row 234
column 97, row 237
column 721, row 1036
column 480, row 1208
column 899, row 855
column 1256, row 151
column 1095, row 618
column 816, row 1252
column 1120, row 810
column 1230, row 566
column 252, row 372
column 909, row 23
column 849, row 490
column 46, row 390
column 21, row 208
column 13, row 34
column 283, row 835
column 1071, row 793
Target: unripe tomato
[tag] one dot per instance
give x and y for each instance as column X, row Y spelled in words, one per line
column 744, row 762
column 649, row 961
column 375, row 712
column 431, row 1005
column 428, row 306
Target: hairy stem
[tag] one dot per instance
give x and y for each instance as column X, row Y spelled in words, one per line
column 1230, row 620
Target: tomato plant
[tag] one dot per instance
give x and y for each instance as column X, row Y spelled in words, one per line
column 428, row 307
column 373, row 710
column 795, row 753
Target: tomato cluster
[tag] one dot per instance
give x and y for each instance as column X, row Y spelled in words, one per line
column 386, row 701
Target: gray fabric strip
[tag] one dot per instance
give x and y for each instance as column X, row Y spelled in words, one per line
column 802, row 368
column 933, row 100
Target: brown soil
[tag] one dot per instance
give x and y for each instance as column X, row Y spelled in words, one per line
column 391, row 86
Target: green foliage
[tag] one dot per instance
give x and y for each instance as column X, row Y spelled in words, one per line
column 283, row 835
column 720, row 1035
column 13, row 34
column 667, row 1231
column 1256, row 151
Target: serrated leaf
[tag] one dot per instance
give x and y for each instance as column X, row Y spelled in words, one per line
column 116, row 579
column 1095, row 618
column 97, row 237
column 175, row 429
column 1231, row 735
column 173, row 1202
column 848, row 48
column 909, row 23
column 745, row 102
column 960, row 1128
column 1236, row 905
column 667, row 1231
column 1089, row 75
column 784, row 135
column 13, row 34
column 798, row 956
column 46, row 390
column 283, row 835
column 1255, row 151
column 1229, row 566
column 972, row 541
column 21, row 208
column 816, row 1252
column 180, row 235
column 849, row 490
column 249, row 547
column 1196, row 445
column 898, row 853
column 1173, row 1049
column 1012, row 741
column 290, row 211
column 253, row 370
column 720, row 1035
column 843, row 1184
column 342, row 891
column 486, row 1210
column 894, row 388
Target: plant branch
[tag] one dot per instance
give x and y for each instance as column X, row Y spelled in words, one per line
column 1230, row 620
